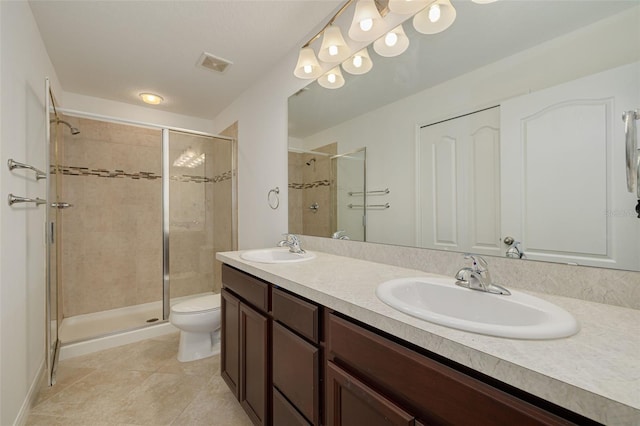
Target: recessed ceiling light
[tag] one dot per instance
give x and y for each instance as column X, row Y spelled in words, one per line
column 151, row 99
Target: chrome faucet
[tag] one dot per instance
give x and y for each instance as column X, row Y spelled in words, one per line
column 477, row 277
column 340, row 235
column 514, row 250
column 293, row 242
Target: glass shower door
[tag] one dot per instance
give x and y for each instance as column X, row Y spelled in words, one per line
column 198, row 212
column 350, row 195
column 53, row 315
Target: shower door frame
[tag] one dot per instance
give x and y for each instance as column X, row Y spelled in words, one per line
column 51, row 243
column 165, row 130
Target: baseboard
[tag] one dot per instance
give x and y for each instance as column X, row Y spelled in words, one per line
column 30, row 399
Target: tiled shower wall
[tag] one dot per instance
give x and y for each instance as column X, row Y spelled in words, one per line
column 309, row 184
column 112, row 236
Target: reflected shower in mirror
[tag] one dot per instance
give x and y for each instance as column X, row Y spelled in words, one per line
column 486, row 139
column 327, row 193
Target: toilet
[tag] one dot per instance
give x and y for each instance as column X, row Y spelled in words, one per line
column 198, row 320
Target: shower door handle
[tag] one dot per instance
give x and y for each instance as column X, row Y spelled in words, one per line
column 61, row 205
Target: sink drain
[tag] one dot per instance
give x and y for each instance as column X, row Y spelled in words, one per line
column 153, row 320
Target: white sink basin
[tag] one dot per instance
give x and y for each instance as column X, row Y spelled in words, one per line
column 440, row 301
column 276, row 255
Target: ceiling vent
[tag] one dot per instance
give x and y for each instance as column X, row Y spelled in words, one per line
column 213, row 63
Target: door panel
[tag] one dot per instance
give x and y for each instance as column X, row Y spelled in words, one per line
column 563, row 174
column 458, row 184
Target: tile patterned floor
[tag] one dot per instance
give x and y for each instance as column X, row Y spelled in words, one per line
column 138, row 384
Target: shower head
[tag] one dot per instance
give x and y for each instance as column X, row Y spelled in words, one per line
column 74, row 130
column 313, row 160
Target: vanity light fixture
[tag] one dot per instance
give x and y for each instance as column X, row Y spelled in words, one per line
column 151, row 99
column 366, row 21
column 407, row 7
column 334, row 48
column 307, row 66
column 358, row 64
column 392, row 44
column 429, row 17
column 333, row 79
column 436, row 18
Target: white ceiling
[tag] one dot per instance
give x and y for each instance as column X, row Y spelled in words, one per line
column 117, row 49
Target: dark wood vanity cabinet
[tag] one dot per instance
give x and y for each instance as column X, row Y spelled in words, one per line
column 270, row 351
column 292, row 362
column 296, row 358
column 373, row 376
column 245, row 335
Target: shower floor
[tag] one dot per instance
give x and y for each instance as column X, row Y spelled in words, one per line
column 88, row 326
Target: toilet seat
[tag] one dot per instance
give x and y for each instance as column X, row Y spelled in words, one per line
column 197, row 305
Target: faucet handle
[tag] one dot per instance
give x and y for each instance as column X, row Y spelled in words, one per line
column 478, row 262
column 292, row 238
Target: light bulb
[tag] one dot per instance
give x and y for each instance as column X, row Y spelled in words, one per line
column 307, row 69
column 151, row 98
column 331, row 78
column 357, row 61
column 391, row 39
column 366, row 24
column 333, row 50
column 434, row 13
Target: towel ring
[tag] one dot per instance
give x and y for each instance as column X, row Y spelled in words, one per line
column 273, row 200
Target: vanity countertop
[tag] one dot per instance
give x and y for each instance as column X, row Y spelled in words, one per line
column 595, row 373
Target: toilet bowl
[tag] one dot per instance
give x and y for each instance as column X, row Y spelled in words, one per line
column 198, row 320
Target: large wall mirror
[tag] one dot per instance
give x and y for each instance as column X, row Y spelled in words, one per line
column 501, row 135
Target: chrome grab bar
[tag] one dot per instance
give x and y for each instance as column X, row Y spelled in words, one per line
column 376, row 192
column 369, row 206
column 13, row 199
column 17, row 165
column 633, row 164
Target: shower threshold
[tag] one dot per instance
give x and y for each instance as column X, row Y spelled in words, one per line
column 97, row 324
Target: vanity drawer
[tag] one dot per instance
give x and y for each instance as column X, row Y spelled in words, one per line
column 295, row 313
column 296, row 371
column 284, row 413
column 251, row 289
column 434, row 392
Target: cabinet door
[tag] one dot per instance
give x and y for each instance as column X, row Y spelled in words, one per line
column 254, row 358
column 352, row 403
column 230, row 335
column 434, row 392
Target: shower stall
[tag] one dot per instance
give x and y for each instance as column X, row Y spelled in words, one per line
column 137, row 214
